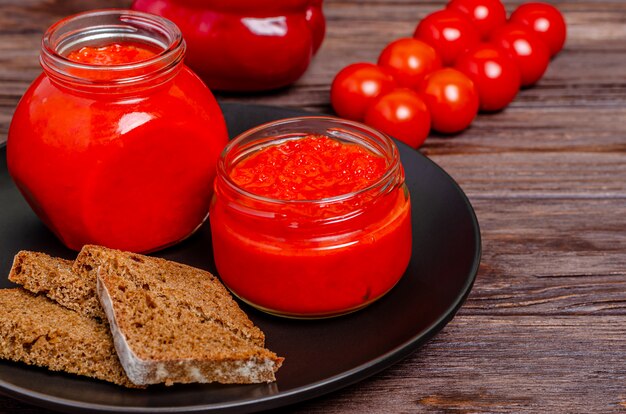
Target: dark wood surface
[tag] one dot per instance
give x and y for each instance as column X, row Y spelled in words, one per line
column 544, row 329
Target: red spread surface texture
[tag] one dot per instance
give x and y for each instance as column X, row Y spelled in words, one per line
column 112, row 54
column 309, row 168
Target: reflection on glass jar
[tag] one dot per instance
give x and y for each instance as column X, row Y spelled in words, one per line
column 246, row 45
column 311, row 257
column 115, row 143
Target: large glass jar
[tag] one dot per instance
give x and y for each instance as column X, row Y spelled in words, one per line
column 120, row 154
column 311, row 258
column 246, row 45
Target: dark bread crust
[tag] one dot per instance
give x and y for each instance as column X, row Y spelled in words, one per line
column 37, row 331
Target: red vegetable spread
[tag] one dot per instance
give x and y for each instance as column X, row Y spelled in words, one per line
column 309, row 168
column 132, row 172
column 112, row 54
column 311, row 258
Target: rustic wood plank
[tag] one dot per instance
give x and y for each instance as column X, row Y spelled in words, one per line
column 559, row 129
column 551, row 257
column 547, row 174
column 479, row 364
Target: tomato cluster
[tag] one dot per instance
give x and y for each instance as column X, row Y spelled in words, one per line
column 463, row 59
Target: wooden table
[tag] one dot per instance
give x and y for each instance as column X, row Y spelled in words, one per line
column 544, row 329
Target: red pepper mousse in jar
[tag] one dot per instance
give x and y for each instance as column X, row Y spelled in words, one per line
column 311, row 217
column 112, row 54
column 116, row 142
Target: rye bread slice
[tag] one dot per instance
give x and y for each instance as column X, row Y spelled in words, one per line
column 37, row 331
column 190, row 288
column 53, row 277
column 174, row 323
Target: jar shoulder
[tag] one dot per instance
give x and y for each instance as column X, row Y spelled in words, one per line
column 185, row 99
column 50, row 117
column 186, row 87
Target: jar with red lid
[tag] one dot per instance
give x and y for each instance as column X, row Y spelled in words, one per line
column 116, row 142
column 310, row 257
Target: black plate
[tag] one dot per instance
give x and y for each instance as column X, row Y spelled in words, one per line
column 321, row 355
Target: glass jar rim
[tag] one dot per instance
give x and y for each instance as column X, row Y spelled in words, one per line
column 392, row 154
column 55, row 42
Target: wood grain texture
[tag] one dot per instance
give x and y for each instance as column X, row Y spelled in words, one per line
column 544, row 329
column 467, row 368
column 551, row 257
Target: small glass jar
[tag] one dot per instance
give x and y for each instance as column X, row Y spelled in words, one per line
column 121, row 155
column 311, row 258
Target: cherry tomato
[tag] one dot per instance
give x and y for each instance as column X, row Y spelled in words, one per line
column 356, row 86
column 402, row 114
column 487, row 15
column 494, row 73
column 409, row 60
column 451, row 98
column 449, row 32
column 529, row 52
column 546, row 21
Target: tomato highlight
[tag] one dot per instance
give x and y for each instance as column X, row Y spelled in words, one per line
column 401, row 114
